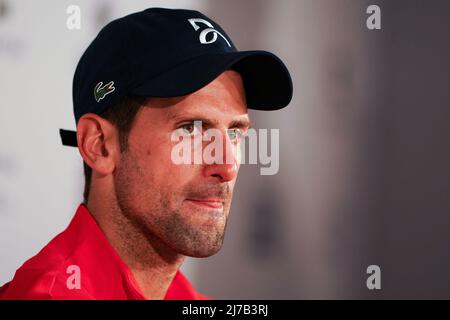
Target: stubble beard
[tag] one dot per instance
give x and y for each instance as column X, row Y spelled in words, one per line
column 155, row 211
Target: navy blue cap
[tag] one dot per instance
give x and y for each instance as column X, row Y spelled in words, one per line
column 162, row 52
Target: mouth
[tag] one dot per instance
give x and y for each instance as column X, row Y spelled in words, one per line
column 210, row 203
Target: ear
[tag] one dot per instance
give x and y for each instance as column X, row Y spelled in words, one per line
column 98, row 143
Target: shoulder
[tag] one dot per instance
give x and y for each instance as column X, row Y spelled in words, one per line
column 41, row 283
column 44, row 276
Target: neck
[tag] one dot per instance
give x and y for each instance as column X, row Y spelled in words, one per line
column 152, row 263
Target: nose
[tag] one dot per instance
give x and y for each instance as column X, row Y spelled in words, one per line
column 227, row 169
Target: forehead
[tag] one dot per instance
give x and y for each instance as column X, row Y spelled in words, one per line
column 221, row 99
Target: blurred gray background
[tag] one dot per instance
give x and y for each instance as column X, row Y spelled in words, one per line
column 364, row 146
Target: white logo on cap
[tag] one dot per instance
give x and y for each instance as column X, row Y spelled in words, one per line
column 195, row 21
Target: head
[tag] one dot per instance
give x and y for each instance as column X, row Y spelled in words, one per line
column 184, row 206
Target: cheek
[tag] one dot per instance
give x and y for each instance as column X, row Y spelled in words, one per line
column 155, row 160
column 157, row 172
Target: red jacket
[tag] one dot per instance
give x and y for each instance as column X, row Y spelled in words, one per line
column 79, row 263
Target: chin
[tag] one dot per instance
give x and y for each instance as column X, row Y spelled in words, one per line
column 201, row 251
column 202, row 254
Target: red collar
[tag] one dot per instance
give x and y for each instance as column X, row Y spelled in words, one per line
column 102, row 273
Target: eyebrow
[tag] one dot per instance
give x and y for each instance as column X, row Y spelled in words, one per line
column 236, row 123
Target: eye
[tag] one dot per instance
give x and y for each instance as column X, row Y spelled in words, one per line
column 191, row 128
column 235, row 135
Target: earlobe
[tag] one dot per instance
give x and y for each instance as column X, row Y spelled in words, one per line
column 97, row 143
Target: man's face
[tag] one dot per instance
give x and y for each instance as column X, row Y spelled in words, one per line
column 186, row 206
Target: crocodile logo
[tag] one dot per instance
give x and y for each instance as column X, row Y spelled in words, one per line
column 100, row 90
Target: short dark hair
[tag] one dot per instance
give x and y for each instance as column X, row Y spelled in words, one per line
column 121, row 115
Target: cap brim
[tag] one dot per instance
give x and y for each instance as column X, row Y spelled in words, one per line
column 267, row 82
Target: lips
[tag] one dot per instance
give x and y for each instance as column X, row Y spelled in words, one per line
column 214, row 203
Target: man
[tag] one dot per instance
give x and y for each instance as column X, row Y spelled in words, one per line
column 145, row 77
